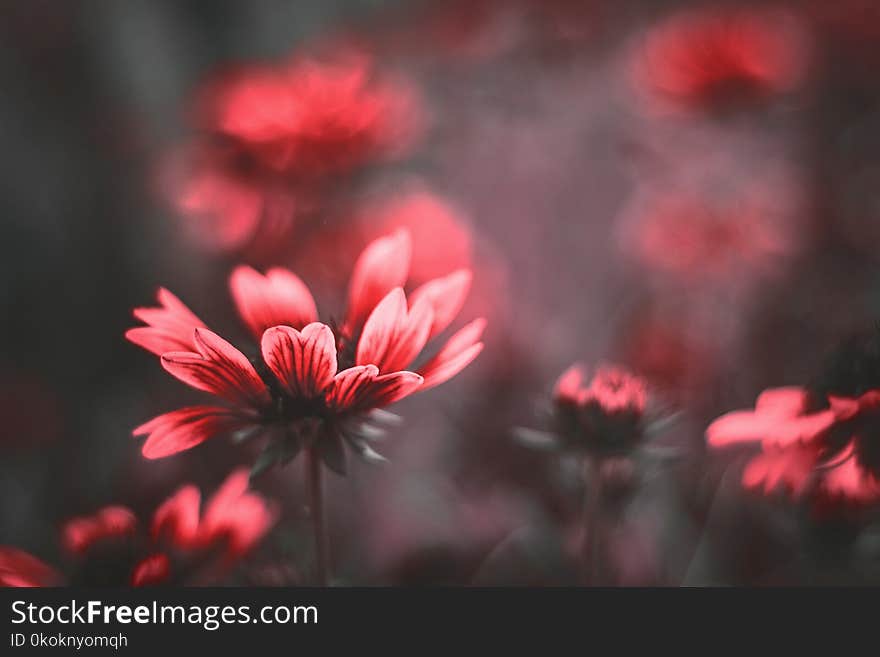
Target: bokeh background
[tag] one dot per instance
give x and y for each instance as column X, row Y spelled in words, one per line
column 714, row 247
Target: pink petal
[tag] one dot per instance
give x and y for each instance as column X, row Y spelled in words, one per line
column 278, row 298
column 386, row 389
column 392, row 336
column 152, row 570
column 383, row 266
column 852, row 482
column 169, row 327
column 304, row 362
column 782, row 402
column 178, row 517
column 233, row 514
column 739, row 427
column 361, row 388
column 458, row 352
column 791, row 467
column 80, row 534
column 218, row 368
column 778, row 419
column 20, row 569
column 185, row 428
column 446, row 295
column 568, row 386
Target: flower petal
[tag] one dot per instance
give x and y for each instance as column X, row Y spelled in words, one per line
column 178, row 517
column 775, row 422
column 791, row 467
column 383, row 266
column 569, row 386
column 361, row 388
column 446, row 295
column 185, row 428
column 788, row 401
column 169, row 327
column 304, row 362
column 152, row 570
column 392, row 336
column 218, row 368
column 456, row 354
column 278, row 298
column 20, row 569
column 852, row 482
column 80, row 534
column 233, row 514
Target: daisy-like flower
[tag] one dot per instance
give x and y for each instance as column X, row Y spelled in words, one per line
column 181, row 544
column 828, row 452
column 713, row 60
column 311, row 384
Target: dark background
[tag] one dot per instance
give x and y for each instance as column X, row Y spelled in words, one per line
column 536, row 137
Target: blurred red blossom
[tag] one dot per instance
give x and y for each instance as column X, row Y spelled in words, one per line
column 227, row 205
column 716, row 59
column 312, row 117
column 439, row 233
column 829, row 454
column 612, row 389
column 111, row 522
column 233, row 522
column 313, row 382
column 275, row 139
column 701, row 235
column 20, row 569
column 603, row 417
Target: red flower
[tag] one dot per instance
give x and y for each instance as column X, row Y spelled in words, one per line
column 111, row 522
column 716, row 59
column 829, row 453
column 309, row 376
column 604, row 416
column 275, row 140
column 612, row 389
column 234, row 522
column 233, row 517
column 20, row 569
column 312, row 117
column 229, row 206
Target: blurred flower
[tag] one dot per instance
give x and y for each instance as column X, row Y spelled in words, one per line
column 274, row 140
column 719, row 59
column 603, row 418
column 312, row 117
column 181, row 544
column 229, row 204
column 830, row 454
column 313, row 384
column 440, row 237
column 111, row 522
column 234, row 520
column 702, row 235
column 20, row 569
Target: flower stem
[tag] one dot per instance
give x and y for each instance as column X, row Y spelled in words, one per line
column 591, row 536
column 316, row 509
